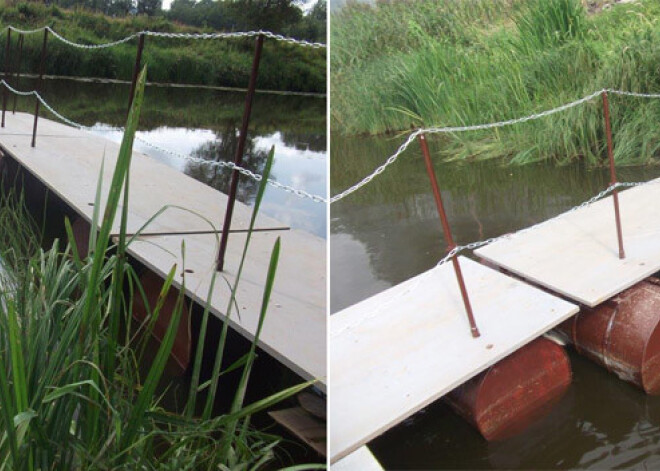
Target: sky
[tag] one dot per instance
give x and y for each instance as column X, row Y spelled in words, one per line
column 305, row 5
column 334, row 4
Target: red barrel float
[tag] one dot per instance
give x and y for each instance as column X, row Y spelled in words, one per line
column 622, row 334
column 515, row 392
column 152, row 285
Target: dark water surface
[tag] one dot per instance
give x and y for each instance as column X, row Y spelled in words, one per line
column 389, row 231
column 205, row 123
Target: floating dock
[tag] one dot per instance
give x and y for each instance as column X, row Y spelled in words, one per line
column 402, row 349
column 395, row 353
column 68, row 161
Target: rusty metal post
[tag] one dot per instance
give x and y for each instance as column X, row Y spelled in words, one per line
column 238, row 158
column 136, row 70
column 613, row 181
column 6, row 75
column 42, row 68
column 447, row 230
column 17, row 75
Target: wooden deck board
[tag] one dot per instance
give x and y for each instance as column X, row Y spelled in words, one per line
column 360, row 460
column 400, row 350
column 576, row 254
column 303, row 425
column 68, row 161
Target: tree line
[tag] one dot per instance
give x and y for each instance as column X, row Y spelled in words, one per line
column 281, row 16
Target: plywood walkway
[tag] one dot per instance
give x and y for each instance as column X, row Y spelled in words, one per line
column 68, row 161
column 360, row 460
column 576, row 254
column 400, row 350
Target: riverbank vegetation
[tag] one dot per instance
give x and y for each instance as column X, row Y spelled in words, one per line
column 400, row 65
column 221, row 62
column 72, row 395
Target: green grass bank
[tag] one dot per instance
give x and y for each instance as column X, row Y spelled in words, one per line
column 219, row 62
column 402, row 64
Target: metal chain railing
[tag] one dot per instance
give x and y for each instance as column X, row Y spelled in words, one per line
column 222, row 164
column 482, row 243
column 634, row 94
column 243, row 34
column 479, row 127
column 230, row 35
column 232, row 166
column 451, row 129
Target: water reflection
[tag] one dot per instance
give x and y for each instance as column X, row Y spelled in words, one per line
column 204, row 124
column 303, row 169
column 223, row 149
column 389, row 231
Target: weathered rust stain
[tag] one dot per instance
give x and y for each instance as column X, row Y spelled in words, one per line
column 152, row 285
column 512, row 394
column 622, row 334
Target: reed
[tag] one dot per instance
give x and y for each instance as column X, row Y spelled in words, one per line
column 71, row 393
column 500, row 61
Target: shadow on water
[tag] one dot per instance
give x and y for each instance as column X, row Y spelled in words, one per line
column 389, row 231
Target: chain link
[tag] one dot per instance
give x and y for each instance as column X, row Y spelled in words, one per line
column 17, row 92
column 390, row 160
column 26, row 31
column 91, row 46
column 241, row 34
column 232, row 166
column 635, row 94
column 222, row 164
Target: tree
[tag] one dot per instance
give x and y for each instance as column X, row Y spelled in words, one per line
column 273, row 15
column 149, row 7
column 118, row 7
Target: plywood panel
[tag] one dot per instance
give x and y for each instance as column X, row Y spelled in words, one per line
column 576, row 254
column 400, row 350
column 360, row 460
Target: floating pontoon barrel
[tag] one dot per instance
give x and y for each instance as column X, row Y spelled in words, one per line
column 520, row 389
column 152, row 285
column 623, row 334
column 80, row 229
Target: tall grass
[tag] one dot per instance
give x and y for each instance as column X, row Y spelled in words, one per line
column 525, row 58
column 71, row 394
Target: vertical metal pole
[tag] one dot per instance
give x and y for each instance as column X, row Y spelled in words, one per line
column 447, row 230
column 615, row 193
column 136, row 70
column 17, row 75
column 42, row 67
column 238, row 158
column 6, row 75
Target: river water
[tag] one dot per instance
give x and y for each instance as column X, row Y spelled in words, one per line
column 204, row 123
column 389, row 231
